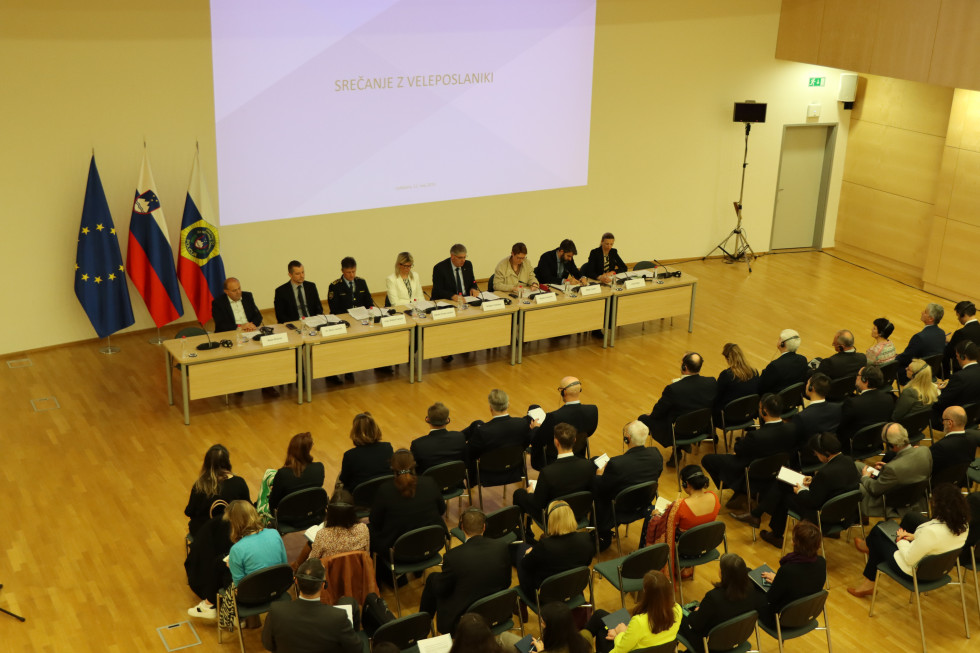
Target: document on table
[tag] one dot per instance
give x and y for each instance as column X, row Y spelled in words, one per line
column 485, row 296
column 787, row 475
column 361, row 313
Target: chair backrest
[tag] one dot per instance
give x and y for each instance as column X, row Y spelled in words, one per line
column 936, row 363
column 503, row 459
column 697, row 541
column 405, row 632
column 448, row 476
column 264, row 585
column 843, row 506
column 972, row 410
column 740, row 411
column 188, row 332
column 581, row 504
column 950, row 474
column 868, row 439
column 364, row 492
column 581, row 444
column 768, row 467
column 348, row 574
column 418, row 544
column 644, row 265
column 889, row 372
column 733, row 632
column 563, row 586
column 792, row 396
column 496, row 608
column 631, row 503
column 503, row 522
column 936, row 566
column 802, row 611
column 666, row 647
column 840, row 388
column 905, row 496
column 638, row 563
column 918, row 421
column 302, row 508
column 695, row 423
column 490, row 284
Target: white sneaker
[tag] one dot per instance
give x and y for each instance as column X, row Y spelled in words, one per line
column 203, row 611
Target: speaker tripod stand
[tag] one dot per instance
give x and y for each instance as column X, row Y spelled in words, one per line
column 741, row 250
column 15, row 616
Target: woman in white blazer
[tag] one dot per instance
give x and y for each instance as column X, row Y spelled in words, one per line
column 404, row 286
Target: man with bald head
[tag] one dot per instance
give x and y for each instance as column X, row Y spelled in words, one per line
column 956, row 447
column 846, row 361
column 688, row 393
column 584, row 417
column 235, row 308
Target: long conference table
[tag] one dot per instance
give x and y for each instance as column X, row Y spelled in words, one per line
column 305, row 355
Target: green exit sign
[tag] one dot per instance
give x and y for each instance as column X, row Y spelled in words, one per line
column 818, row 81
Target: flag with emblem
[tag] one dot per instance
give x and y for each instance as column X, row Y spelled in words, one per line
column 150, row 261
column 199, row 267
column 100, row 277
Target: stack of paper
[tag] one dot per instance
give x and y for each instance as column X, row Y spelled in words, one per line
column 787, row 475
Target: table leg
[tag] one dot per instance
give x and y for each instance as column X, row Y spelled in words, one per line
column 690, row 315
column 308, row 368
column 184, row 390
column 415, row 332
column 612, row 320
column 300, row 373
column 520, row 336
column 169, row 361
column 605, row 321
column 513, row 338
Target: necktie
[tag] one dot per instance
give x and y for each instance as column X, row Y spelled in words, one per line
column 350, row 284
column 459, row 282
column 301, row 301
column 408, row 286
column 605, row 264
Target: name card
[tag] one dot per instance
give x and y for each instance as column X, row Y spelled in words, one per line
column 634, row 283
column 443, row 313
column 274, row 339
column 585, row 291
column 546, row 298
column 333, row 330
column 393, row 320
column 494, row 305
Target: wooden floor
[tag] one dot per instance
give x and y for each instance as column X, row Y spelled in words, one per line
column 94, row 488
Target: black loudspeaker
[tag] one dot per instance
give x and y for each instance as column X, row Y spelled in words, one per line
column 749, row 112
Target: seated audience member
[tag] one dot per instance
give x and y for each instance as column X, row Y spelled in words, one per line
column 789, row 368
column 297, row 298
column 639, row 464
column 688, row 393
column 883, row 350
column 564, row 548
column 919, row 392
column 566, row 475
column 473, row 635
column 966, row 314
column 928, row 342
column 737, row 380
column 342, row 531
column 908, row 465
column 476, row 569
column 604, row 261
column 584, row 417
column 820, row 415
column 403, row 284
column 453, row 276
column 774, row 436
column 973, row 533
column 560, row 633
column 514, row 271
column 501, row 431
column 837, row 476
column 801, row 572
column 404, row 504
column 956, row 447
column 847, row 361
column 700, row 506
column 732, row 596
column 349, row 290
column 306, row 624
column 298, row 472
column 214, row 483
column 235, row 309
column 871, row 404
column 439, row 445
column 654, row 620
column 964, row 386
column 918, row 537
column 558, row 266
column 369, row 458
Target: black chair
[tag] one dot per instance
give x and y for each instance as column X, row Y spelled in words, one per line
column 364, row 494
column 689, row 429
column 889, row 371
column 644, row 265
column 299, row 510
column 917, row 424
column 739, row 415
column 792, row 399
column 490, row 284
column 955, row 474
column 508, row 460
column 972, row 410
column 904, row 497
column 414, row 552
column 404, row 632
column 763, row 470
column 931, row 573
column 566, row 587
column 972, row 566
column 698, row 546
column 626, row 573
column 936, row 363
column 190, row 332
column 837, row 514
column 452, row 478
column 731, row 636
column 798, row 618
column 498, row 610
column 255, row 594
column 973, row 473
column 841, row 388
column 630, row 505
column 217, row 510
column 867, row 443
column 583, row 507
column 507, row 522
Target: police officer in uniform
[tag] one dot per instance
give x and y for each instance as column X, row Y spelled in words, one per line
column 349, row 290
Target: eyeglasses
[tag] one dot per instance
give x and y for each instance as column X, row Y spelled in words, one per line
column 406, row 265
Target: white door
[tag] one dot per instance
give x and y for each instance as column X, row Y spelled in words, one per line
column 801, row 170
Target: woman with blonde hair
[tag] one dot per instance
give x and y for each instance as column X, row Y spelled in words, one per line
column 654, row 620
column 403, row 285
column 299, row 472
column 919, row 392
column 369, row 458
column 564, row 548
column 738, row 380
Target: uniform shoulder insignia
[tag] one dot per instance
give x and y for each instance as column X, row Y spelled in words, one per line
column 335, row 282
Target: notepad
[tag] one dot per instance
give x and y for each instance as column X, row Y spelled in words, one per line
column 756, row 576
column 537, row 414
column 440, row 644
column 787, row 475
column 312, row 531
column 621, row 616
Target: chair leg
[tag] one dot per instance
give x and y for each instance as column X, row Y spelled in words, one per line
column 874, row 594
column 217, row 607
column 976, row 581
column 826, row 626
column 779, row 634
column 918, row 610
column 480, row 492
column 959, row 577
column 394, row 585
column 238, row 622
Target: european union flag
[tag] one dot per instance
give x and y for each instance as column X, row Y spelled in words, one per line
column 100, row 276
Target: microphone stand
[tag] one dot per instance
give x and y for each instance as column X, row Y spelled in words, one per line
column 742, row 249
column 15, row 616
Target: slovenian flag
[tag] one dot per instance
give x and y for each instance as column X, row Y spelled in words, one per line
column 150, row 261
column 199, row 266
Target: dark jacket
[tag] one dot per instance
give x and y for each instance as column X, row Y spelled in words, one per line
column 444, row 279
column 547, row 270
column 224, row 317
column 478, row 568
column 341, row 300
column 364, row 463
column 585, row 419
column 302, row 626
column 437, row 447
column 786, row 370
column 286, row 482
column 285, row 302
column 501, row 431
column 593, row 267
column 393, row 515
column 555, row 554
column 689, row 393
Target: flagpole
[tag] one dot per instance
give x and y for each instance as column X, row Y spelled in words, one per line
column 109, row 349
column 158, row 340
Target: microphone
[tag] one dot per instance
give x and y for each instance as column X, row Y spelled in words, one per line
column 207, row 346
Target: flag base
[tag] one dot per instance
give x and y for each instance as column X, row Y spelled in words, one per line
column 158, row 340
column 109, row 349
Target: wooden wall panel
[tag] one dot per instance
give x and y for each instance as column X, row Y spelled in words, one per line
column 900, row 103
column 964, row 205
column 944, row 182
column 889, row 225
column 964, row 121
column 904, row 38
column 896, row 161
column 799, row 30
column 957, row 264
column 956, row 56
column 846, row 34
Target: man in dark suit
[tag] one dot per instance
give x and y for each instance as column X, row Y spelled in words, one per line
column 963, row 387
column 837, row 476
column 820, row 416
column 306, row 625
column 786, row 369
column 297, row 298
column 440, row 445
column 584, row 417
column 688, row 393
column 956, row 447
column 640, row 464
column 501, row 431
column 604, row 262
column 928, row 342
column 966, row 313
column 349, row 290
column 847, row 361
column 478, row 568
column 454, row 276
column 871, row 404
column 558, row 266
column 235, row 308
